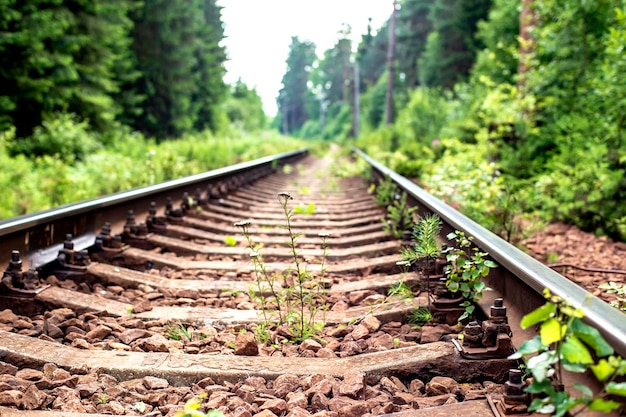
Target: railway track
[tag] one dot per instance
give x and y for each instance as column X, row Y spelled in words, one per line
column 108, row 311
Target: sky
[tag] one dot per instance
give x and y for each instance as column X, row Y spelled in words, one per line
column 258, row 34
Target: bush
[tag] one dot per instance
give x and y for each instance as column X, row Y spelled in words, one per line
column 63, row 137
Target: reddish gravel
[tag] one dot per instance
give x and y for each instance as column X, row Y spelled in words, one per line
column 560, row 244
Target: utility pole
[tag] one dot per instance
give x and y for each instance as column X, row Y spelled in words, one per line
column 391, row 52
column 356, row 115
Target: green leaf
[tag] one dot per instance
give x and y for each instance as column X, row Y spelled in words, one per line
column 550, row 331
column 602, row 370
column 491, row 264
column 538, row 387
column 585, row 390
column 592, row 337
column 542, row 406
column 538, row 315
column 574, row 351
column 575, row 367
column 606, row 406
column 540, row 364
column 531, row 346
column 617, row 388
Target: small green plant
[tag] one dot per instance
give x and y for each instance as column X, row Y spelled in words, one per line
column 420, row 316
column 192, row 409
column 230, row 241
column 426, row 248
column 400, row 289
column 129, row 312
column 263, row 333
column 396, row 342
column 178, row 331
column 465, row 271
column 304, row 190
column 305, row 208
column 566, row 343
column 553, row 257
column 140, row 406
column 103, row 399
column 385, row 192
column 296, row 296
column 619, row 291
column 399, row 217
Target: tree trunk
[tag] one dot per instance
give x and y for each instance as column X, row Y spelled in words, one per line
column 527, row 20
column 390, row 63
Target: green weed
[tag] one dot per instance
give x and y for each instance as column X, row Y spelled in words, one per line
column 296, row 296
column 566, row 343
column 465, row 271
column 420, row 316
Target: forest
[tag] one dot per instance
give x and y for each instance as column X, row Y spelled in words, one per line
column 508, row 110
column 499, row 107
column 100, row 96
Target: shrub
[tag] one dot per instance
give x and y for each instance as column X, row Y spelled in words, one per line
column 63, row 137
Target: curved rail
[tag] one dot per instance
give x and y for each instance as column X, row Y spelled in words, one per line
column 38, row 235
column 608, row 320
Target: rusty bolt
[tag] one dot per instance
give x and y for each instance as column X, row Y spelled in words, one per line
column 68, row 244
column 472, row 333
column 497, row 309
column 514, row 387
column 16, row 262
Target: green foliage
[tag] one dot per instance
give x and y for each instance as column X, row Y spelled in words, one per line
column 400, row 289
column 463, row 177
column 58, row 57
column 127, row 162
column 230, row 241
column 499, row 33
column 304, row 208
column 244, row 108
column 450, row 49
column 297, row 297
column 64, row 138
column 465, row 271
column 423, row 117
column 420, row 316
column 178, row 331
column 565, row 342
column 385, row 192
column 294, row 96
column 399, row 217
column 426, row 245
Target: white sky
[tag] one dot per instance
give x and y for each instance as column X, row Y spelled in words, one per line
column 258, row 34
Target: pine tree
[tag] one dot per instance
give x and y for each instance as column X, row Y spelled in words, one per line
column 210, row 58
column 165, row 45
column 61, row 56
column 451, row 47
column 294, row 97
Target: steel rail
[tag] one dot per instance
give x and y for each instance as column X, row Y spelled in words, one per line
column 38, row 235
column 608, row 320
